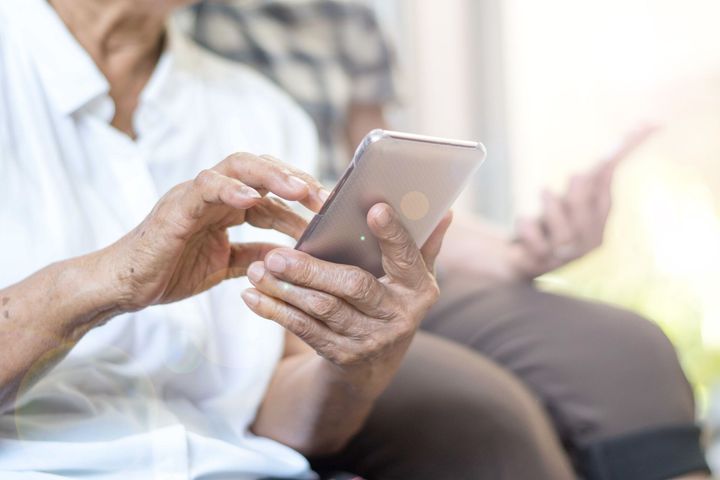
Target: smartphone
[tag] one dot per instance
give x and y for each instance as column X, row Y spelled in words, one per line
column 419, row 176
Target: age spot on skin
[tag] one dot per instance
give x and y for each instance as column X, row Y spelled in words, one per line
column 132, row 270
column 6, row 314
column 5, row 301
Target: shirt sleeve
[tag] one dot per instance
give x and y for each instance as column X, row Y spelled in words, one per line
column 367, row 56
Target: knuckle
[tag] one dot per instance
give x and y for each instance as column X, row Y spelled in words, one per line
column 324, row 306
column 273, row 164
column 359, row 284
column 240, row 157
column 396, row 233
column 204, row 179
column 386, row 314
column 270, row 158
column 239, row 160
column 304, row 272
column 260, row 217
column 302, row 327
column 373, row 347
column 407, row 257
column 340, row 357
column 406, row 327
column 323, row 346
column 351, row 358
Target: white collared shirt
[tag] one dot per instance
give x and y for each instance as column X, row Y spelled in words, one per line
column 169, row 392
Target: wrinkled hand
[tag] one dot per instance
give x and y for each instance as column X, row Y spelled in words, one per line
column 348, row 316
column 182, row 247
column 572, row 225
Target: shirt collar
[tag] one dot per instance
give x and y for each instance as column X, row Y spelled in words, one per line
column 69, row 75
column 67, row 72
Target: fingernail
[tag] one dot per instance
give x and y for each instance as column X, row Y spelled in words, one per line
column 276, row 263
column 251, row 297
column 296, row 182
column 383, row 218
column 256, row 272
column 324, row 195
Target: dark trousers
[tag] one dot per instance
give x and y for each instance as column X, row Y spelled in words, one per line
column 514, row 383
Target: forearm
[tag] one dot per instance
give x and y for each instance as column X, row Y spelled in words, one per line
column 474, row 246
column 315, row 407
column 45, row 315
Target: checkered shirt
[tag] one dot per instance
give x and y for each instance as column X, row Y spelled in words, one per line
column 328, row 54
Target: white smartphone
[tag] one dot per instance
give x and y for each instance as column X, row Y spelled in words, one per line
column 419, row 176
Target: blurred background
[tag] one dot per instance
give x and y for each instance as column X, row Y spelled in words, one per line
column 551, row 87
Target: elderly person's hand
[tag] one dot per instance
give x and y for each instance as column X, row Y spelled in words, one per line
column 355, row 328
column 349, row 317
column 182, row 247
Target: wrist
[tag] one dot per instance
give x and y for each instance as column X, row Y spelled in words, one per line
column 118, row 270
column 113, row 281
column 359, row 383
column 90, row 288
column 116, row 281
column 364, row 380
column 489, row 257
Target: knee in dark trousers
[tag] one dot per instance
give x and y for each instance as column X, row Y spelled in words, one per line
column 602, row 373
column 450, row 414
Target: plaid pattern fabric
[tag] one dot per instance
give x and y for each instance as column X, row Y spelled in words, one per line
column 327, row 54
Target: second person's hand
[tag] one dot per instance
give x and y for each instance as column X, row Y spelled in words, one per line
column 573, row 224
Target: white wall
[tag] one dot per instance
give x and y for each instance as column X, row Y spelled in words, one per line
column 581, row 73
column 551, row 86
column 451, row 83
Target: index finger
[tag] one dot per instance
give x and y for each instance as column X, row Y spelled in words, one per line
column 317, row 190
column 603, row 174
column 630, row 143
column 267, row 174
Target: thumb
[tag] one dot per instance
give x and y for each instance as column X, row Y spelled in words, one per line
column 401, row 258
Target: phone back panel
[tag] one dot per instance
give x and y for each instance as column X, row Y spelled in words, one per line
column 420, row 177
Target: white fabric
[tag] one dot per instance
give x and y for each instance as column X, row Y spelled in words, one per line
column 167, row 393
